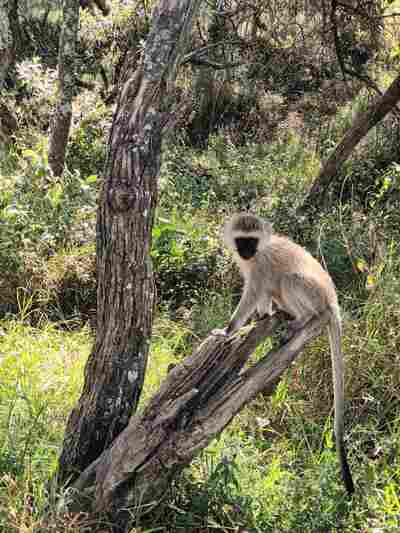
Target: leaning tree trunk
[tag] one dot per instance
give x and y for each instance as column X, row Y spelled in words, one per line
column 6, row 40
column 363, row 123
column 8, row 123
column 194, row 404
column 115, row 370
column 59, row 131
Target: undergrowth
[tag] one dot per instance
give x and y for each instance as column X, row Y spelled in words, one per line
column 274, row 469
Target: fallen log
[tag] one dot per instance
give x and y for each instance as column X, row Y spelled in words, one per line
column 196, row 401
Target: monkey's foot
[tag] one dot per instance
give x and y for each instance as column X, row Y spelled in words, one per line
column 296, row 325
column 293, row 327
column 265, row 315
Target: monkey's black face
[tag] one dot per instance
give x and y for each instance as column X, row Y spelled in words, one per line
column 246, row 246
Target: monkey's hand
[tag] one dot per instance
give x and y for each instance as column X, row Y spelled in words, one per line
column 220, row 332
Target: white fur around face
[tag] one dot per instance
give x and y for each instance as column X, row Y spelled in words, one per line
column 230, row 234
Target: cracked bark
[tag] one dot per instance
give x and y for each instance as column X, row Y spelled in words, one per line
column 7, row 54
column 115, row 370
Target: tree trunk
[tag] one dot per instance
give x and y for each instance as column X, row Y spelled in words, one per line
column 193, row 405
column 6, row 40
column 8, row 123
column 362, row 124
column 115, row 370
column 59, row 131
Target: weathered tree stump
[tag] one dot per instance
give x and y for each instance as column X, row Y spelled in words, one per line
column 196, row 401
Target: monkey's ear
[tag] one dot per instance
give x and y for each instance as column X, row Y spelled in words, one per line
column 227, row 234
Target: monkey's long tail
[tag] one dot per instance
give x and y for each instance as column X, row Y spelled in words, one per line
column 335, row 340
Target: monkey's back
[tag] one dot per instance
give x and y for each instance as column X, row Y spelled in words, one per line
column 283, row 257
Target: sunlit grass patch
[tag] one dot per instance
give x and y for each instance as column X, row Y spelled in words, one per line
column 41, row 374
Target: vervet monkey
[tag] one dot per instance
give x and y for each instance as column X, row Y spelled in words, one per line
column 279, row 272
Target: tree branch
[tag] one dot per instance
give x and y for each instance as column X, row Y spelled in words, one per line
column 197, row 55
column 362, row 124
column 336, row 39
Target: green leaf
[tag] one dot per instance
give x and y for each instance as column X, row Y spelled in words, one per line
column 91, row 179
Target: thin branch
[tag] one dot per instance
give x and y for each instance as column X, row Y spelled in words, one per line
column 344, row 69
column 204, row 49
column 217, row 66
column 338, row 46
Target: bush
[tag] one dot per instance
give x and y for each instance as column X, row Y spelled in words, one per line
column 87, row 145
column 40, row 214
column 184, row 258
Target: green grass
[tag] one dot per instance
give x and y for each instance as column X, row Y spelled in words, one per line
column 41, row 373
column 274, row 469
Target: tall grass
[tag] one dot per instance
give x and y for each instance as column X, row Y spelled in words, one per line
column 40, row 377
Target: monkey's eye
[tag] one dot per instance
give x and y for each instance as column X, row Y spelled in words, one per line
column 246, row 246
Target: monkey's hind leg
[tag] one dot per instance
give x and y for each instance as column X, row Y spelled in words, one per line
column 302, row 300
